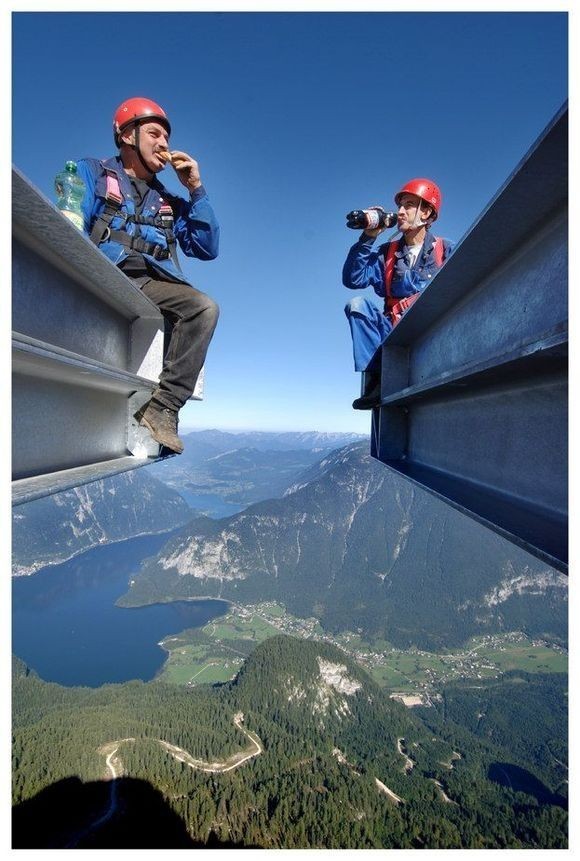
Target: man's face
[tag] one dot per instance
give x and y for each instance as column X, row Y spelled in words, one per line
column 407, row 217
column 153, row 137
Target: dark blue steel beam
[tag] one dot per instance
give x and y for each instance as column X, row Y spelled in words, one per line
column 474, row 389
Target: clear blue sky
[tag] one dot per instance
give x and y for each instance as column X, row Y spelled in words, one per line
column 295, row 118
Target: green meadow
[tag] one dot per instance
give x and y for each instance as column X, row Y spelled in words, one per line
column 215, row 653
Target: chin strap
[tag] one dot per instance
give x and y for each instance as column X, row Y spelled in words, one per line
column 419, row 222
column 136, row 146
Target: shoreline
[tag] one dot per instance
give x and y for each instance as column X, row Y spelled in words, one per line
column 174, row 601
column 31, row 570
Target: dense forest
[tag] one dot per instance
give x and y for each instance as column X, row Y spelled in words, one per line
column 340, row 765
column 524, row 714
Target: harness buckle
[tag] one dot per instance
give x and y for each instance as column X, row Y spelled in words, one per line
column 159, row 252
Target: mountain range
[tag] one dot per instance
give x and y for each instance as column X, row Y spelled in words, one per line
column 241, row 468
column 206, row 443
column 356, row 546
column 217, row 472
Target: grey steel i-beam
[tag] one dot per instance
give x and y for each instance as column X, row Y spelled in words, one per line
column 87, row 350
column 474, row 386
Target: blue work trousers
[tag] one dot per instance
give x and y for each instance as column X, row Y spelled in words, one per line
column 369, row 327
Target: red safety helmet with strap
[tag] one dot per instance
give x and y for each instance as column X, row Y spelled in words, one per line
column 135, row 110
column 426, row 189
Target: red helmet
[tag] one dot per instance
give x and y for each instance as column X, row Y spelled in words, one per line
column 138, row 108
column 426, row 190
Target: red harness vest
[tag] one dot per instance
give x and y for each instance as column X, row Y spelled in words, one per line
column 395, row 307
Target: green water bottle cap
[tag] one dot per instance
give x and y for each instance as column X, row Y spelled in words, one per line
column 71, row 166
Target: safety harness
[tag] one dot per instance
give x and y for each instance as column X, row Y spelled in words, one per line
column 102, row 231
column 394, row 306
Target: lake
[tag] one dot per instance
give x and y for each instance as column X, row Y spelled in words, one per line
column 210, row 504
column 66, row 627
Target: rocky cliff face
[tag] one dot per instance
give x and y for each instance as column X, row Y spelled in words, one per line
column 360, row 548
column 50, row 530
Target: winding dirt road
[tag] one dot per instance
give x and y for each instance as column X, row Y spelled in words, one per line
column 115, row 769
column 409, row 764
column 114, row 763
column 234, row 761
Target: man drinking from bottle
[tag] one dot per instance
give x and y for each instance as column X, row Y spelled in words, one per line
column 398, row 272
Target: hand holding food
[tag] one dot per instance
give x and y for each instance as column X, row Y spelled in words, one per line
column 186, row 168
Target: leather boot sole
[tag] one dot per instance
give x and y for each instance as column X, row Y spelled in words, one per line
column 370, row 400
column 364, row 404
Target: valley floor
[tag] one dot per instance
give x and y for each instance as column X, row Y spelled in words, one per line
column 216, row 653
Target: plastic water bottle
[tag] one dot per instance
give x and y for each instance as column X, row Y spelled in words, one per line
column 70, row 190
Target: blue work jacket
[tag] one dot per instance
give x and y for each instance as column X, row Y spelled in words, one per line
column 195, row 227
column 364, row 267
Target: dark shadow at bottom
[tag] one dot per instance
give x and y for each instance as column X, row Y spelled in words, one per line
column 64, row 816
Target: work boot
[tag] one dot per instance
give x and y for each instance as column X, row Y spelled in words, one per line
column 161, row 422
column 372, row 394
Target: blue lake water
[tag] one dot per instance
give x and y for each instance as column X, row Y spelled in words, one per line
column 65, row 624
column 210, row 504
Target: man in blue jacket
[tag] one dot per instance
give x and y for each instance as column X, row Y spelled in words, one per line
column 137, row 223
column 398, row 272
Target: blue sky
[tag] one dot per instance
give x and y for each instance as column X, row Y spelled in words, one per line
column 295, row 118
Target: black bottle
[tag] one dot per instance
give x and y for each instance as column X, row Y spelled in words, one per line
column 363, row 219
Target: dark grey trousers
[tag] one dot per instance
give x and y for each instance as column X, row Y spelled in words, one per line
column 192, row 318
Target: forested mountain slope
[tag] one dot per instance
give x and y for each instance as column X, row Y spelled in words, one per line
column 301, row 750
column 359, row 548
column 50, row 530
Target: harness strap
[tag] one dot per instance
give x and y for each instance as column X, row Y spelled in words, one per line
column 113, row 192
column 390, row 266
column 113, row 203
column 395, row 308
column 145, row 219
column 166, row 215
column 102, row 232
column 135, row 243
column 398, row 308
column 438, row 251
